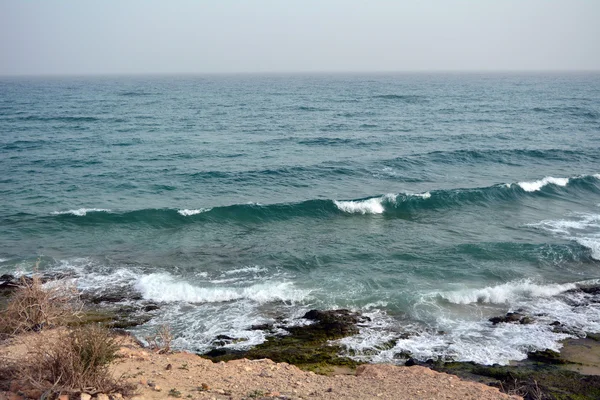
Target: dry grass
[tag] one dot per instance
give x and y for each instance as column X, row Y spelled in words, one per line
column 35, row 306
column 77, row 361
column 161, row 340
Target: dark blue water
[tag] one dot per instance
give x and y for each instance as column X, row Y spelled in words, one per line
column 429, row 202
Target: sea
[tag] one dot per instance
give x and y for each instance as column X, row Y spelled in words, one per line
column 429, row 202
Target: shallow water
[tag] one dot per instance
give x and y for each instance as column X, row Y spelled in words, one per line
column 429, row 202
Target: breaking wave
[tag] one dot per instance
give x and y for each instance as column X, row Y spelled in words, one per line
column 390, row 204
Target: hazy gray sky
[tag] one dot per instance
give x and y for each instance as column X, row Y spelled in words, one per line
column 186, row 36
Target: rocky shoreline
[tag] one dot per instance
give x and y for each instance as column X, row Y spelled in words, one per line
column 574, row 373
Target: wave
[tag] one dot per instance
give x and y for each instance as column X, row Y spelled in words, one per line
column 369, row 206
column 569, row 110
column 58, row 119
column 399, row 205
column 470, row 336
column 583, row 228
column 505, row 293
column 537, row 185
column 187, row 212
column 81, row 212
column 135, row 94
column 165, row 288
column 406, row 98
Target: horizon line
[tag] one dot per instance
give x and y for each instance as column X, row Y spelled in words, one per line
column 324, row 72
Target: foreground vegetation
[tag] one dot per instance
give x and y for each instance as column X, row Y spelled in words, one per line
column 76, row 359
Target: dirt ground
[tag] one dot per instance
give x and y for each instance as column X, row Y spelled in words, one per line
column 185, row 375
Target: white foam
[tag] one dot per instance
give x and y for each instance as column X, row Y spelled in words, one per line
column 187, row 213
column 537, row 185
column 164, row 287
column 369, row 206
column 505, row 293
column 424, row 196
column 582, row 228
column 249, row 269
column 593, row 244
column 80, row 212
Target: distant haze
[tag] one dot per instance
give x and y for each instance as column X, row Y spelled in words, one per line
column 225, row 36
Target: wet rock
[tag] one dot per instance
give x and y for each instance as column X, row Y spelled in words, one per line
column 546, row 356
column 151, row 307
column 334, row 323
column 593, row 336
column 594, row 290
column 410, row 362
column 262, row 327
column 512, row 318
column 112, row 295
column 531, row 381
column 304, row 345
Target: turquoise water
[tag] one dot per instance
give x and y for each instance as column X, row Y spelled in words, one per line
column 430, row 202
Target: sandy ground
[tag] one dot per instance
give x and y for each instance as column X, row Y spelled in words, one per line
column 185, row 375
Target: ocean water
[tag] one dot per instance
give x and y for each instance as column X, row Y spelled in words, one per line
column 429, row 202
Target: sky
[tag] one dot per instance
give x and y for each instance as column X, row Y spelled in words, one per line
column 46, row 37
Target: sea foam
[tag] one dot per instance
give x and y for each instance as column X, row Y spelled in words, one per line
column 186, row 212
column 505, row 293
column 165, row 287
column 369, row 206
column 584, row 228
column 534, row 186
column 80, row 212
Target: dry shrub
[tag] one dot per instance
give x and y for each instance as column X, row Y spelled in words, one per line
column 161, row 340
column 77, row 360
column 34, row 306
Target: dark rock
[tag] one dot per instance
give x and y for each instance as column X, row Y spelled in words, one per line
column 410, row 362
column 262, row 327
column 223, row 340
column 555, row 323
column 595, row 290
column 307, row 345
column 546, row 356
column 593, row 336
column 114, row 295
column 151, row 307
column 512, row 318
column 332, row 323
column 216, row 353
column 526, row 321
column 530, row 382
column 8, row 283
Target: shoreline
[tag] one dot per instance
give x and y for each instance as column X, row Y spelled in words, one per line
column 187, row 375
column 312, row 349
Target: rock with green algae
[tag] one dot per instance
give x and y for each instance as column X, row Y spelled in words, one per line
column 306, row 345
column 535, row 381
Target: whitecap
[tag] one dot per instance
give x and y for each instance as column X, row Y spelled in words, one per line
column 80, row 212
column 249, row 269
column 424, row 196
column 188, row 212
column 582, row 228
column 506, row 292
column 165, row 287
column 537, row 185
column 369, row 206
